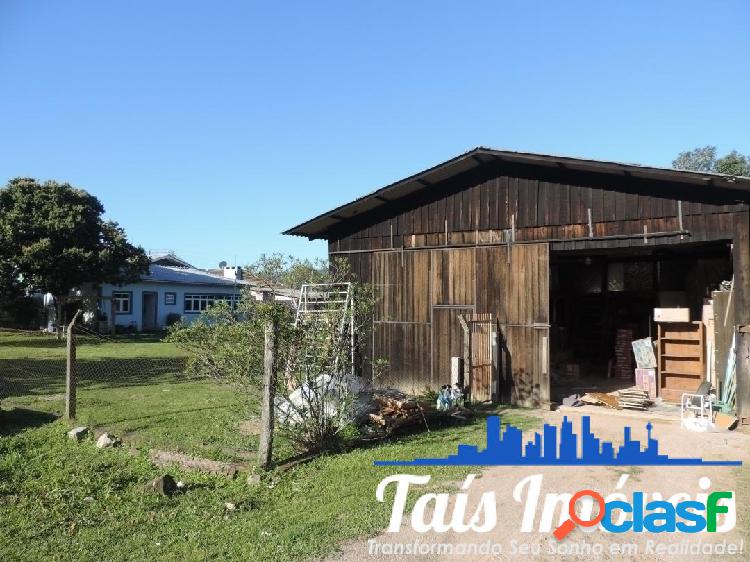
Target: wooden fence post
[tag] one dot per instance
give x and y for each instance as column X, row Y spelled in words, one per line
column 70, row 371
column 265, row 449
column 467, row 382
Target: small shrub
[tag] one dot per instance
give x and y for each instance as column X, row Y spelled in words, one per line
column 173, row 318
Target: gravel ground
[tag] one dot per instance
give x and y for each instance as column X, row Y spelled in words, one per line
column 674, row 440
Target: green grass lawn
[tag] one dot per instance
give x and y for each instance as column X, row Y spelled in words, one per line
column 61, row 500
column 132, row 386
column 45, row 479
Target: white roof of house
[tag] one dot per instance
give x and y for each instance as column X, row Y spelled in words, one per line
column 187, row 276
column 168, row 257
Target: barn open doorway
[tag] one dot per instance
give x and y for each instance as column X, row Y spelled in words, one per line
column 600, row 300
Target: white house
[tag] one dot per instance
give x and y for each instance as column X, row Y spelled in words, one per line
column 174, row 287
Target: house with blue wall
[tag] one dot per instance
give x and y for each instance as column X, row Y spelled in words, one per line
column 173, row 290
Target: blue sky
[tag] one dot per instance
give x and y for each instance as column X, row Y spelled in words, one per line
column 210, row 127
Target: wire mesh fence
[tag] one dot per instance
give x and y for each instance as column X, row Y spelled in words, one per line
column 133, row 385
column 33, row 364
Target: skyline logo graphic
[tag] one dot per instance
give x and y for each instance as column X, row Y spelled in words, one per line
column 506, row 448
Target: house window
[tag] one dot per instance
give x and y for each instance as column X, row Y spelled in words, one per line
column 122, row 301
column 195, row 303
column 170, row 299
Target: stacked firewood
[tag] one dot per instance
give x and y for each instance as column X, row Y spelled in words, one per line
column 395, row 412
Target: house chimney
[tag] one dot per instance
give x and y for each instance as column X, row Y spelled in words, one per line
column 233, row 272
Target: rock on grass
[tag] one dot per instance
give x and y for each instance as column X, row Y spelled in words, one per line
column 163, row 485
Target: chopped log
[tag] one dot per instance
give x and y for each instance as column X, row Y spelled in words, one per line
column 377, row 419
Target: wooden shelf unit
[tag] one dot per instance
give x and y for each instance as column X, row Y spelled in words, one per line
column 682, row 358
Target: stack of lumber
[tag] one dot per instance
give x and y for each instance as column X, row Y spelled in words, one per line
column 634, row 399
column 631, row 398
column 624, row 364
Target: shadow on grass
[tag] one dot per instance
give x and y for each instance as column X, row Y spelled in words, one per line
column 50, row 341
column 36, row 342
column 166, row 414
column 18, row 419
column 416, row 430
column 47, row 341
column 21, row 377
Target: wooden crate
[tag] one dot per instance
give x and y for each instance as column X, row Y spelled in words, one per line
column 682, row 361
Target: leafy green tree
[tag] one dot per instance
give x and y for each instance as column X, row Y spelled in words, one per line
column 227, row 345
column 16, row 307
column 53, row 238
column 699, row 159
column 279, row 271
column 734, row 163
column 705, row 160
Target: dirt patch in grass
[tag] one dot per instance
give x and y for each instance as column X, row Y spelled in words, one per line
column 70, row 501
column 250, row 427
column 667, row 481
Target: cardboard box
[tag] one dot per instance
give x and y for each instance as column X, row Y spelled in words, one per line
column 645, row 379
column 671, row 315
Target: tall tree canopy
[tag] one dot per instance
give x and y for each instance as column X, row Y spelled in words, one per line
column 278, row 270
column 704, row 159
column 53, row 238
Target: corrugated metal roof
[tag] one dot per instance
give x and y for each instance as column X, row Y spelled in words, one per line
column 167, row 256
column 318, row 227
column 187, row 276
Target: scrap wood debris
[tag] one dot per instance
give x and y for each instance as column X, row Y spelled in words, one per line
column 600, row 399
column 630, row 398
column 634, row 399
column 397, row 412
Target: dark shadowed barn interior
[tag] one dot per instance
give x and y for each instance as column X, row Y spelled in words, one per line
column 538, row 258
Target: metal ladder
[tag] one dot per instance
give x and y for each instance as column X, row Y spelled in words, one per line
column 320, row 300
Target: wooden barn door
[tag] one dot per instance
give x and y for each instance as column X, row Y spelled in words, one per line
column 515, row 280
column 481, row 330
column 447, row 341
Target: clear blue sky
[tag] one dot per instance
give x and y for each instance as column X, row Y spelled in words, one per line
column 210, row 127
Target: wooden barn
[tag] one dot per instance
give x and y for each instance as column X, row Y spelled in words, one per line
column 540, row 269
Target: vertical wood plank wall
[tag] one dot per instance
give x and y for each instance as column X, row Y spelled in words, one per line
column 482, row 375
column 544, row 205
column 741, row 258
column 420, row 294
column 444, row 251
column 447, row 342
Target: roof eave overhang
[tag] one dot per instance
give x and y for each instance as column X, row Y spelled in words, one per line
column 318, row 227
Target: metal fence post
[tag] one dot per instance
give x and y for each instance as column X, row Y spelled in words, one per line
column 70, row 371
column 265, row 449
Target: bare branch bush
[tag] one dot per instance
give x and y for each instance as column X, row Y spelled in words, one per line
column 319, row 389
column 227, row 345
column 326, row 392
